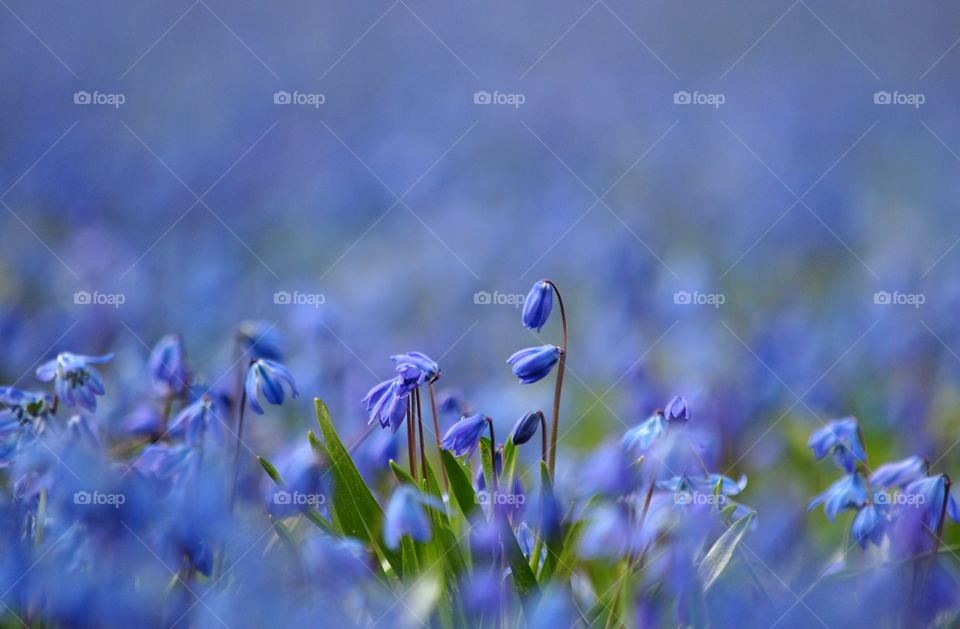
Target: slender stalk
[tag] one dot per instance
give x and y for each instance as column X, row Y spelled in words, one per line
column 423, row 453
column 236, row 454
column 436, row 434
column 411, row 441
column 493, row 463
column 543, row 437
column 552, row 464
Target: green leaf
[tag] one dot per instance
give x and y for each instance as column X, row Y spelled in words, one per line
column 310, row 512
column 523, row 576
column 357, row 511
column 271, row 471
column 460, row 485
column 486, row 463
column 719, row 555
column 402, row 475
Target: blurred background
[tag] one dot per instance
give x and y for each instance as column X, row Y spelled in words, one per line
column 752, row 204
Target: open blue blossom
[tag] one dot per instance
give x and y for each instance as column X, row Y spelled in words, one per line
column 842, row 438
column 677, row 410
column 534, row 363
column 197, row 420
column 849, row 492
column 704, row 484
column 526, row 427
column 421, row 361
column 463, row 437
column 26, row 406
column 387, row 404
column 869, row 525
column 267, row 377
column 899, row 473
column 75, row 381
column 638, row 439
column 537, row 306
column 168, row 366
column 405, row 515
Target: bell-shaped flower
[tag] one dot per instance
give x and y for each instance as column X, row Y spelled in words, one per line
column 842, row 438
column 534, row 363
column 849, row 492
column 537, row 305
column 677, row 410
column 76, row 383
column 898, row 473
column 406, row 515
column 168, row 367
column 463, row 437
column 637, row 440
column 869, row 525
column 526, row 427
column 197, row 420
column 421, row 361
column 266, row 377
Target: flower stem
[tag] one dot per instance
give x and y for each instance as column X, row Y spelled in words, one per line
column 552, row 462
column 411, row 441
column 436, row 434
column 543, row 436
column 423, row 453
column 493, row 462
column 236, row 454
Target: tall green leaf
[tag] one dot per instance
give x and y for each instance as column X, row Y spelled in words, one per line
column 720, row 554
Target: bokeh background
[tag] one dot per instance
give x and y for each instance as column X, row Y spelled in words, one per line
column 418, row 215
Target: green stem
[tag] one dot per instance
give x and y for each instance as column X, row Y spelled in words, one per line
column 559, row 388
column 436, row 434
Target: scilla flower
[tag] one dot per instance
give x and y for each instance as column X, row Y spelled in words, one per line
column 197, row 420
column 26, row 406
column 421, row 361
column 168, row 365
column 637, row 440
column 869, row 525
column 847, row 493
column 928, row 495
column 463, row 437
column 405, row 515
column 537, row 305
column 677, row 410
column 75, row 382
column 267, row 377
column 704, row 485
column 534, row 363
column 899, row 473
column 526, row 427
column 387, row 404
column 842, row 438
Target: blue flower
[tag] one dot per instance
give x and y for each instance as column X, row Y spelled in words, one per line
column 267, row 377
column 526, row 427
column 677, row 410
column 868, row 526
column 847, row 493
column 927, row 495
column 463, row 437
column 26, row 406
column 405, row 515
column 537, row 305
column 842, row 437
column 75, row 382
column 387, row 404
column 168, row 366
column 534, row 363
column 638, row 439
column 421, row 361
column 704, row 484
column 899, row 473
column 196, row 420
